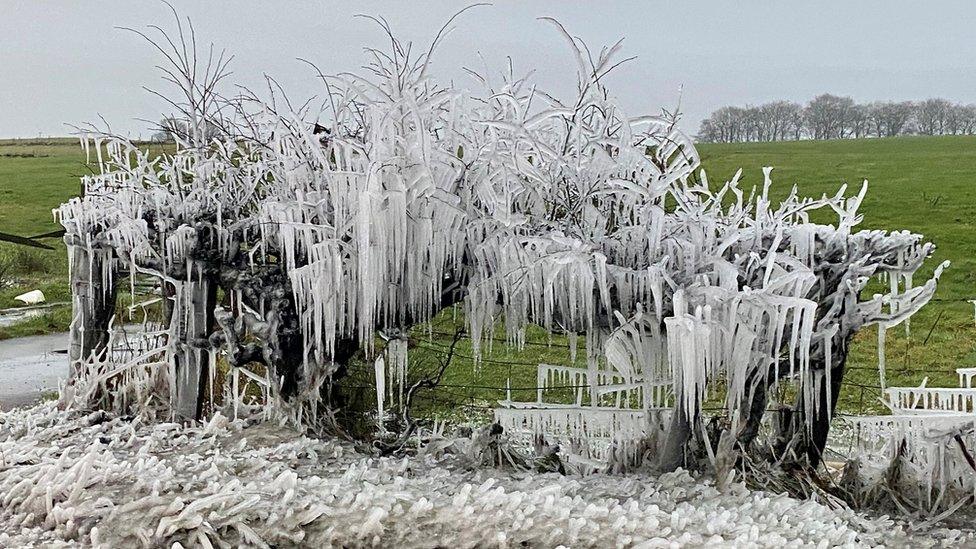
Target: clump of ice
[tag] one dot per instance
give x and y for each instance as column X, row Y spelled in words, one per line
column 72, row 479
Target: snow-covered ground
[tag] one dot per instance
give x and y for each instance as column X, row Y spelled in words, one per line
column 70, row 479
column 31, row 366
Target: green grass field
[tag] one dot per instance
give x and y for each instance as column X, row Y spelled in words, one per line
column 926, row 185
column 36, row 176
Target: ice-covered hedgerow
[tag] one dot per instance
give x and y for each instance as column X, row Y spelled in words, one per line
column 72, row 479
column 587, row 213
column 403, row 195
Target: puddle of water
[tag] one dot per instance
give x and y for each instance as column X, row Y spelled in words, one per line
column 34, row 365
column 31, row 367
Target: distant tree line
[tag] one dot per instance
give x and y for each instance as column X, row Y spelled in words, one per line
column 833, row 117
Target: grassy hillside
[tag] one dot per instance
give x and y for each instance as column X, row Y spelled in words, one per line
column 926, row 185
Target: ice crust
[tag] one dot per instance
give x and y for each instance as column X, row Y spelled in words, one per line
column 70, row 479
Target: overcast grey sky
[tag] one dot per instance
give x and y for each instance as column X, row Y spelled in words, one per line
column 65, row 63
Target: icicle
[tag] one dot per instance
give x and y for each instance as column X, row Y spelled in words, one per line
column 882, row 329
column 379, row 367
column 396, row 351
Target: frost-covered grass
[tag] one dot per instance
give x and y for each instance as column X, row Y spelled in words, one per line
column 921, row 184
column 76, row 479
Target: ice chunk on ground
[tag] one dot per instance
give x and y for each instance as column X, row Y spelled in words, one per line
column 32, row 297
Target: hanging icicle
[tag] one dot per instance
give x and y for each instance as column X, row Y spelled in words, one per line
column 379, row 366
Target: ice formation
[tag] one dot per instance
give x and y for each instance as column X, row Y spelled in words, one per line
column 77, row 479
column 924, row 460
column 924, row 449
column 32, row 297
column 282, row 240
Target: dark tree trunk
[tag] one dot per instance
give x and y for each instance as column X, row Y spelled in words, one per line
column 755, row 407
column 168, row 292
column 679, row 433
column 813, row 439
column 280, row 346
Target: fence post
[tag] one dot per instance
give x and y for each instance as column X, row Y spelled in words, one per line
column 93, row 293
column 190, row 325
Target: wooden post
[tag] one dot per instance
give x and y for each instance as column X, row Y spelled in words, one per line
column 194, row 321
column 93, row 294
